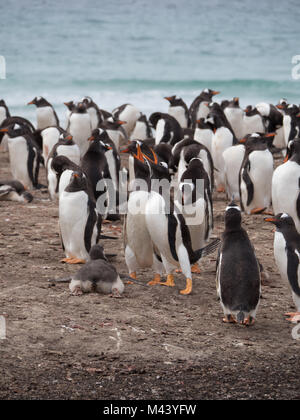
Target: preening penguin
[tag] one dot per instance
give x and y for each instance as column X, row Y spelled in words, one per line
column 14, row 191
column 46, row 115
column 238, row 273
column 198, row 108
column 142, row 129
column 235, row 117
column 179, row 110
column 255, row 177
column 93, row 111
column 253, row 121
column 128, row 113
column 287, row 256
column 79, row 221
column 167, row 128
column 113, row 127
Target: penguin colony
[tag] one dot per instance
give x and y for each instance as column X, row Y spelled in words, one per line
column 192, row 151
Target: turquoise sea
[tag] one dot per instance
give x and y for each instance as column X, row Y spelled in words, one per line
column 139, row 51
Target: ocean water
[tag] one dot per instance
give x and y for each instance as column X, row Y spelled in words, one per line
column 138, row 51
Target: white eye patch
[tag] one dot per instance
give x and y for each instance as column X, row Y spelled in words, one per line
column 233, row 207
column 163, row 164
column 206, row 91
column 284, row 216
column 255, row 135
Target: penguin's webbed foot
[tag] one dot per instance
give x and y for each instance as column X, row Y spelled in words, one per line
column 293, row 317
column 258, row 210
column 189, row 287
column 115, row 294
column 170, row 281
column 133, row 276
column 229, row 319
column 76, row 261
column 221, row 189
column 77, row 291
column 194, row 269
column 156, row 280
column 249, row 321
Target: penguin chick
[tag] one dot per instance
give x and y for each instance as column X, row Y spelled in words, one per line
column 97, row 275
column 287, row 256
column 14, row 191
column 238, row 272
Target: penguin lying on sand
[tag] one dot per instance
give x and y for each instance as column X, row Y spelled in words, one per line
column 14, row 191
column 287, row 256
column 238, row 272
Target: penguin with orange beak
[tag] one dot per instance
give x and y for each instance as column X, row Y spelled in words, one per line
column 287, row 257
column 179, row 110
column 46, row 115
column 198, row 108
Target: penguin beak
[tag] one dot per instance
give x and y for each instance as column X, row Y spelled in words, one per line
column 31, row 102
column 168, row 98
column 75, row 175
column 69, row 138
column 242, row 141
column 271, row 219
column 121, row 122
column 286, row 158
column 139, row 156
column 298, row 115
column 3, row 130
column 92, row 138
column 270, row 135
column 155, row 160
column 125, row 150
column 216, row 92
column 279, row 106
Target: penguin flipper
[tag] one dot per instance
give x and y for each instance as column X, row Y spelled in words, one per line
column 292, row 270
column 5, row 190
column 248, row 182
column 298, row 201
column 208, row 249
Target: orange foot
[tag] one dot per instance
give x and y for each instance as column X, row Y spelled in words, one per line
column 76, row 261
column 115, row 293
column 194, row 269
column 221, row 189
column 249, row 321
column 258, row 210
column 293, row 317
column 156, row 280
column 133, row 276
column 170, row 281
column 188, row 289
column 229, row 319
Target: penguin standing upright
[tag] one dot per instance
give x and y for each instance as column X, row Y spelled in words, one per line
column 128, row 113
column 238, row 273
column 291, row 122
column 223, row 138
column 24, row 155
column 142, row 129
column 46, row 115
column 63, row 167
column 198, row 108
column 79, row 221
column 273, row 119
column 80, row 127
column 179, row 110
column 167, row 128
column 235, row 117
column 93, row 111
column 50, row 136
column 255, row 178
column 253, row 121
column 233, row 158
column 204, row 133
column 4, row 113
column 113, row 129
column 286, row 184
column 287, row 256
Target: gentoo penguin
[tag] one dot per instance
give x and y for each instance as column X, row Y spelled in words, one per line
column 238, row 273
column 23, row 122
column 4, row 114
column 198, row 108
column 24, row 155
column 64, row 147
column 113, row 129
column 50, row 136
column 235, row 117
column 291, row 122
column 286, row 184
column 223, row 138
column 93, row 111
column 273, row 119
column 204, row 133
column 167, row 128
column 169, row 232
column 14, row 191
column 79, row 221
column 46, row 115
column 139, row 251
column 80, row 126
column 233, row 158
column 253, row 121
column 142, row 129
column 70, row 107
column 128, row 113
column 179, row 110
column 255, row 177
column 287, row 256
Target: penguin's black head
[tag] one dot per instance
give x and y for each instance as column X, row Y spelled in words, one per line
column 132, row 147
column 2, row 103
column 234, row 103
column 204, row 124
column 225, row 103
column 97, row 253
column 80, row 108
column 282, row 104
column 15, row 130
column 292, row 110
column 233, row 216
column 207, row 94
column 293, row 148
column 111, row 123
column 283, row 222
column 61, row 163
column 258, row 141
column 39, row 102
column 250, row 111
column 66, row 138
column 171, row 99
column 78, row 182
column 70, row 105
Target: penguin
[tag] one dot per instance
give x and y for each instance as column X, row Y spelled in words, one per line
column 80, row 126
column 70, row 107
column 14, row 191
column 93, row 111
column 113, row 129
column 286, row 184
column 79, row 221
column 64, row 147
column 223, row 138
column 273, row 119
column 291, row 122
column 287, row 256
column 170, row 234
column 50, row 136
column 255, row 177
column 253, row 121
column 23, row 122
column 46, row 115
column 167, row 128
column 233, row 158
column 204, row 133
column 179, row 110
column 238, row 273
column 128, row 113
column 4, row 114
column 142, row 129
column 198, row 108
column 24, row 155
column 235, row 117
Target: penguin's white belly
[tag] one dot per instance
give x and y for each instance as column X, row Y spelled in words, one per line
column 45, row 117
column 285, row 190
column 71, row 152
column 204, row 137
column 72, row 221
column 138, row 237
column 130, row 114
column 94, row 117
column 222, row 139
column 194, row 216
column 18, row 156
column 235, row 117
column 179, row 114
column 203, row 110
column 253, row 124
column 139, row 132
column 52, row 180
column 160, row 128
column 80, row 128
column 50, row 138
column 261, row 171
column 64, row 181
column 287, row 127
column 112, row 168
column 279, row 139
column 233, row 158
column 115, row 136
